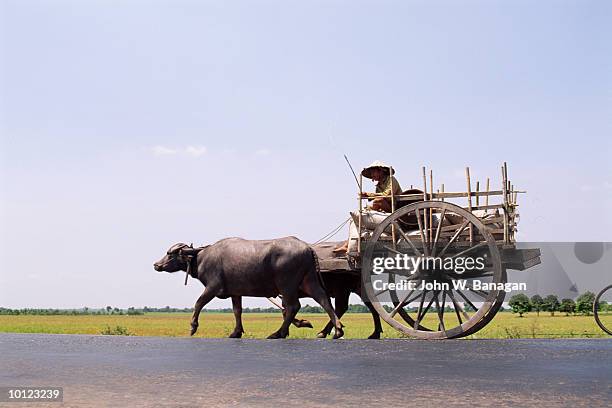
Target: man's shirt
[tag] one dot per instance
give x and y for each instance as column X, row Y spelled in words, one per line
column 387, row 186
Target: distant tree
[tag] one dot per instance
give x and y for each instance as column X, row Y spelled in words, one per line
column 584, row 303
column 520, row 304
column 357, row 309
column 108, row 309
column 603, row 306
column 311, row 309
column 568, row 306
column 537, row 303
column 551, row 304
column 468, row 308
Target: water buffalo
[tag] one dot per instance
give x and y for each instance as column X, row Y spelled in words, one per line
column 235, row 267
column 339, row 285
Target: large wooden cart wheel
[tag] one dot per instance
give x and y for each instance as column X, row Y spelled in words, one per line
column 499, row 300
column 603, row 317
column 443, row 297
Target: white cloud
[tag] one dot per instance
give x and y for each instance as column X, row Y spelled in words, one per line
column 163, row 151
column 192, row 151
column 262, row 152
column 195, row 151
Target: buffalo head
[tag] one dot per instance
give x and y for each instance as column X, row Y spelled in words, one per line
column 176, row 258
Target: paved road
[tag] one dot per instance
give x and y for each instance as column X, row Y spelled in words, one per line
column 149, row 371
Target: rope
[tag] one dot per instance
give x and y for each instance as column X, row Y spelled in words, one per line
column 332, row 232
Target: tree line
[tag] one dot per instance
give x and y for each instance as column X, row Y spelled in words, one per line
column 109, row 310
column 519, row 304
column 583, row 304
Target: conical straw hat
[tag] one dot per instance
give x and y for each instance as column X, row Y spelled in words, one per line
column 377, row 164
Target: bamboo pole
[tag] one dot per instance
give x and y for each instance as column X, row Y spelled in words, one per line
column 425, row 199
column 392, row 205
column 477, row 191
column 487, row 196
column 447, row 194
column 442, row 190
column 469, row 190
column 505, row 203
column 431, row 210
column 360, row 213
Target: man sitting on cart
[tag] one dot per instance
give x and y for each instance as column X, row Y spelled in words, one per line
column 386, row 186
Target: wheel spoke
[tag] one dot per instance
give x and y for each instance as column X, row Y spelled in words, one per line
column 424, row 312
column 466, row 299
column 440, row 316
column 442, row 311
column 468, row 250
column 416, row 322
column 407, row 239
column 480, row 293
column 423, row 238
column 376, row 294
column 458, row 308
column 433, row 247
column 454, row 237
column 401, row 304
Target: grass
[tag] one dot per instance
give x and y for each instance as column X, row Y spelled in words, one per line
column 259, row 325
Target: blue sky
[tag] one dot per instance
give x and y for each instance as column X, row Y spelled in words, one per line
column 128, row 126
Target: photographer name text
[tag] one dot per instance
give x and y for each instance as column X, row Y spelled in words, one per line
column 461, row 284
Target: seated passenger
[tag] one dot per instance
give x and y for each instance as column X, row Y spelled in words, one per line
column 386, row 186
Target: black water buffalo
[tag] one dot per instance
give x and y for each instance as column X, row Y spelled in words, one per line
column 235, row 267
column 339, row 284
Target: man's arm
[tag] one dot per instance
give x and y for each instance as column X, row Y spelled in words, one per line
column 386, row 192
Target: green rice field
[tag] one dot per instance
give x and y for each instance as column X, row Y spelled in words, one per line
column 260, row 325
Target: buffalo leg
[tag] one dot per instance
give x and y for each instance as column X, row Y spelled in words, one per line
column 341, row 306
column 237, row 307
column 375, row 317
column 302, row 323
column 292, row 306
column 296, row 322
column 377, row 326
column 206, row 297
column 299, row 322
column 312, row 288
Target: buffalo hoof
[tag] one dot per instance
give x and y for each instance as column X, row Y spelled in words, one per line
column 374, row 336
column 321, row 335
column 304, row 323
column 338, row 334
column 236, row 334
column 194, row 329
column 277, row 335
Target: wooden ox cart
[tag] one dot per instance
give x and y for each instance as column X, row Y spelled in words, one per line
column 434, row 298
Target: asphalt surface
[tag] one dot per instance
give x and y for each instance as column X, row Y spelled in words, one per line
column 119, row 371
